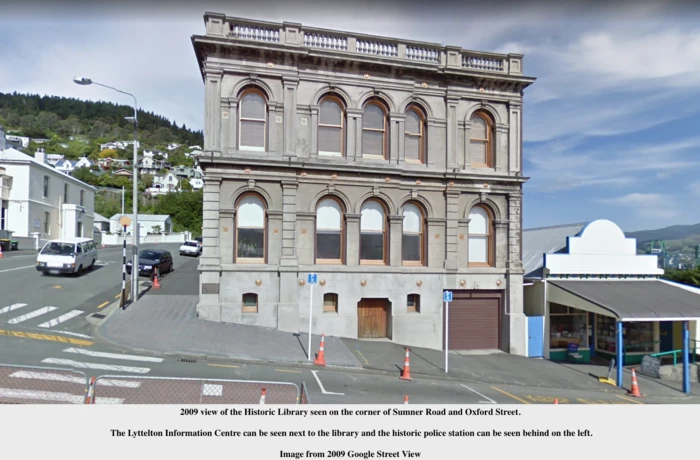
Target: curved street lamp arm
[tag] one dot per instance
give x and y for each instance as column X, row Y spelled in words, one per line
column 123, row 92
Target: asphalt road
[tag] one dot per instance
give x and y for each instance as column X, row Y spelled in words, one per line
column 70, row 344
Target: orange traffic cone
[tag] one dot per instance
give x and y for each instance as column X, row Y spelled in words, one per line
column 406, row 374
column 556, row 401
column 1, row 256
column 405, row 399
column 91, row 391
column 320, row 357
column 156, row 282
column 262, row 396
column 634, row 391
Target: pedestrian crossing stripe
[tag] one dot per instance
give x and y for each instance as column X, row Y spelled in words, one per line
column 51, row 338
column 12, row 307
column 104, row 367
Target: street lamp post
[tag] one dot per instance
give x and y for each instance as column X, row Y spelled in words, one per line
column 135, row 222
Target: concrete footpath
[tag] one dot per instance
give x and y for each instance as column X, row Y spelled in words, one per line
column 168, row 325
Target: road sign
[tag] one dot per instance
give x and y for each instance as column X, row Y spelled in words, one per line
column 125, row 221
column 447, row 296
column 312, row 278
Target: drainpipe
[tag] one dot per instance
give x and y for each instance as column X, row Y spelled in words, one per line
column 544, row 320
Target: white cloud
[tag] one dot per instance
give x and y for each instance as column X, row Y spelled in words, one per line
column 646, row 205
column 694, row 188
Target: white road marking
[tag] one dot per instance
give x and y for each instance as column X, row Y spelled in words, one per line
column 49, row 376
column 72, row 333
column 18, row 268
column 209, row 389
column 99, row 354
column 12, row 307
column 323, row 390
column 117, row 383
column 62, row 318
column 105, row 367
column 42, row 396
column 490, row 401
column 31, row 315
column 100, row 400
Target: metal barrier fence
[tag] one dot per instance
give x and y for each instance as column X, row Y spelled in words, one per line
column 304, row 394
column 120, row 389
column 41, row 385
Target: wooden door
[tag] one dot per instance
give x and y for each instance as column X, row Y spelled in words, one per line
column 372, row 318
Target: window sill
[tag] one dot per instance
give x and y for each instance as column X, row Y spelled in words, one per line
column 412, row 264
column 479, row 265
column 251, row 312
column 372, row 262
column 330, row 311
column 242, row 260
column 373, row 157
column 331, row 154
column 251, row 149
column 329, row 262
column 415, row 162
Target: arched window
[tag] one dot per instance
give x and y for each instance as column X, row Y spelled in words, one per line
column 252, row 121
column 373, row 233
column 330, row 127
column 412, row 242
column 480, row 244
column 480, row 145
column 329, row 232
column 250, row 303
column 374, row 139
column 414, row 136
column 250, row 230
column 330, row 303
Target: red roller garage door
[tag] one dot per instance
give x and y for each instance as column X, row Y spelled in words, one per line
column 475, row 321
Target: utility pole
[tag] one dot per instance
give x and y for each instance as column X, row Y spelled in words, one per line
column 122, row 200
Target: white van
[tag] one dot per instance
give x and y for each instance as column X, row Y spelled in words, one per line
column 71, row 255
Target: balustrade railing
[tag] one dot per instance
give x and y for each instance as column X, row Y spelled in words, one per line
column 296, row 35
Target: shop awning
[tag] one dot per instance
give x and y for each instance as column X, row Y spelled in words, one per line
column 643, row 300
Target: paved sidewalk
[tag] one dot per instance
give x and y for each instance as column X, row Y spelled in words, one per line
column 167, row 325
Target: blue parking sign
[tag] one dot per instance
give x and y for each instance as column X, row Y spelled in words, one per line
column 447, row 296
column 312, row 278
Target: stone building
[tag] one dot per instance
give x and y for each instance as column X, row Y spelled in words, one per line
column 391, row 168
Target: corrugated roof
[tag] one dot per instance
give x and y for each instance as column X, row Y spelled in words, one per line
column 545, row 240
column 99, row 218
column 637, row 300
column 143, row 217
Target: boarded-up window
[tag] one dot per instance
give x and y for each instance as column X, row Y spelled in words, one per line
column 330, row 127
column 253, row 119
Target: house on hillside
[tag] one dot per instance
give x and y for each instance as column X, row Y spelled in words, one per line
column 391, row 168
column 150, row 153
column 173, row 146
column 23, row 141
column 123, row 173
column 44, row 200
column 66, row 166
column 164, row 183
column 148, row 166
column 52, row 158
column 147, row 222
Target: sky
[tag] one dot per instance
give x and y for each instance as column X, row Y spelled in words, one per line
column 610, row 125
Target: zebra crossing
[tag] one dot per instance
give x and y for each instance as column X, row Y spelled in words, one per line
column 50, row 385
column 18, row 313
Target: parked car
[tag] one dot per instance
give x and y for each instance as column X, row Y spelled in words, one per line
column 191, row 248
column 71, row 255
column 200, row 240
column 150, row 259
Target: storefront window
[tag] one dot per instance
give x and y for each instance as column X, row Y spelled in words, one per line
column 638, row 337
column 566, row 326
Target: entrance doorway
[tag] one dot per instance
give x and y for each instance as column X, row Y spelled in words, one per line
column 374, row 319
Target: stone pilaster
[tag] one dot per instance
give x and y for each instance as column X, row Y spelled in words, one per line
column 515, row 232
column 515, row 137
column 467, row 143
column 452, row 102
column 396, row 139
column 395, row 240
column 451, row 230
column 313, row 142
column 501, row 155
column 226, row 116
column 227, row 232
column 436, row 241
column 434, row 149
column 272, row 127
column 353, row 238
column 232, row 123
column 306, row 230
column 463, row 243
column 289, row 222
column 212, row 110
column 290, row 85
column 274, row 237
column 354, row 136
column 500, row 228
column 210, row 222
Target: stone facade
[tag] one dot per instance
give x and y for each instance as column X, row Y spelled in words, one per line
column 293, row 68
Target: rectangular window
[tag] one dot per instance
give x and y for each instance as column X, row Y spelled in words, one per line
column 328, row 245
column 251, row 243
column 46, row 187
column 373, row 143
column 413, row 303
column 372, row 246
column 638, row 336
column 412, row 148
column 567, row 329
column 410, row 248
column 2, row 218
column 65, row 193
column 250, row 303
column 477, row 152
column 253, row 134
column 478, row 249
column 330, row 303
column 47, row 218
column 82, row 198
column 330, row 140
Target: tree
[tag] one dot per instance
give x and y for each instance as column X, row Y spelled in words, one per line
column 146, row 180
column 84, row 174
column 108, row 153
column 162, row 135
column 185, row 185
column 13, row 120
column 156, row 229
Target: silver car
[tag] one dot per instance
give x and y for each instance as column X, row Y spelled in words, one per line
column 190, row 248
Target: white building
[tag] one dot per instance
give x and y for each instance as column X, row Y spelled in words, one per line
column 147, row 224
column 150, row 153
column 197, row 183
column 44, row 200
column 52, row 158
column 118, row 145
column 173, row 146
column 24, row 141
column 5, row 187
column 164, row 184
